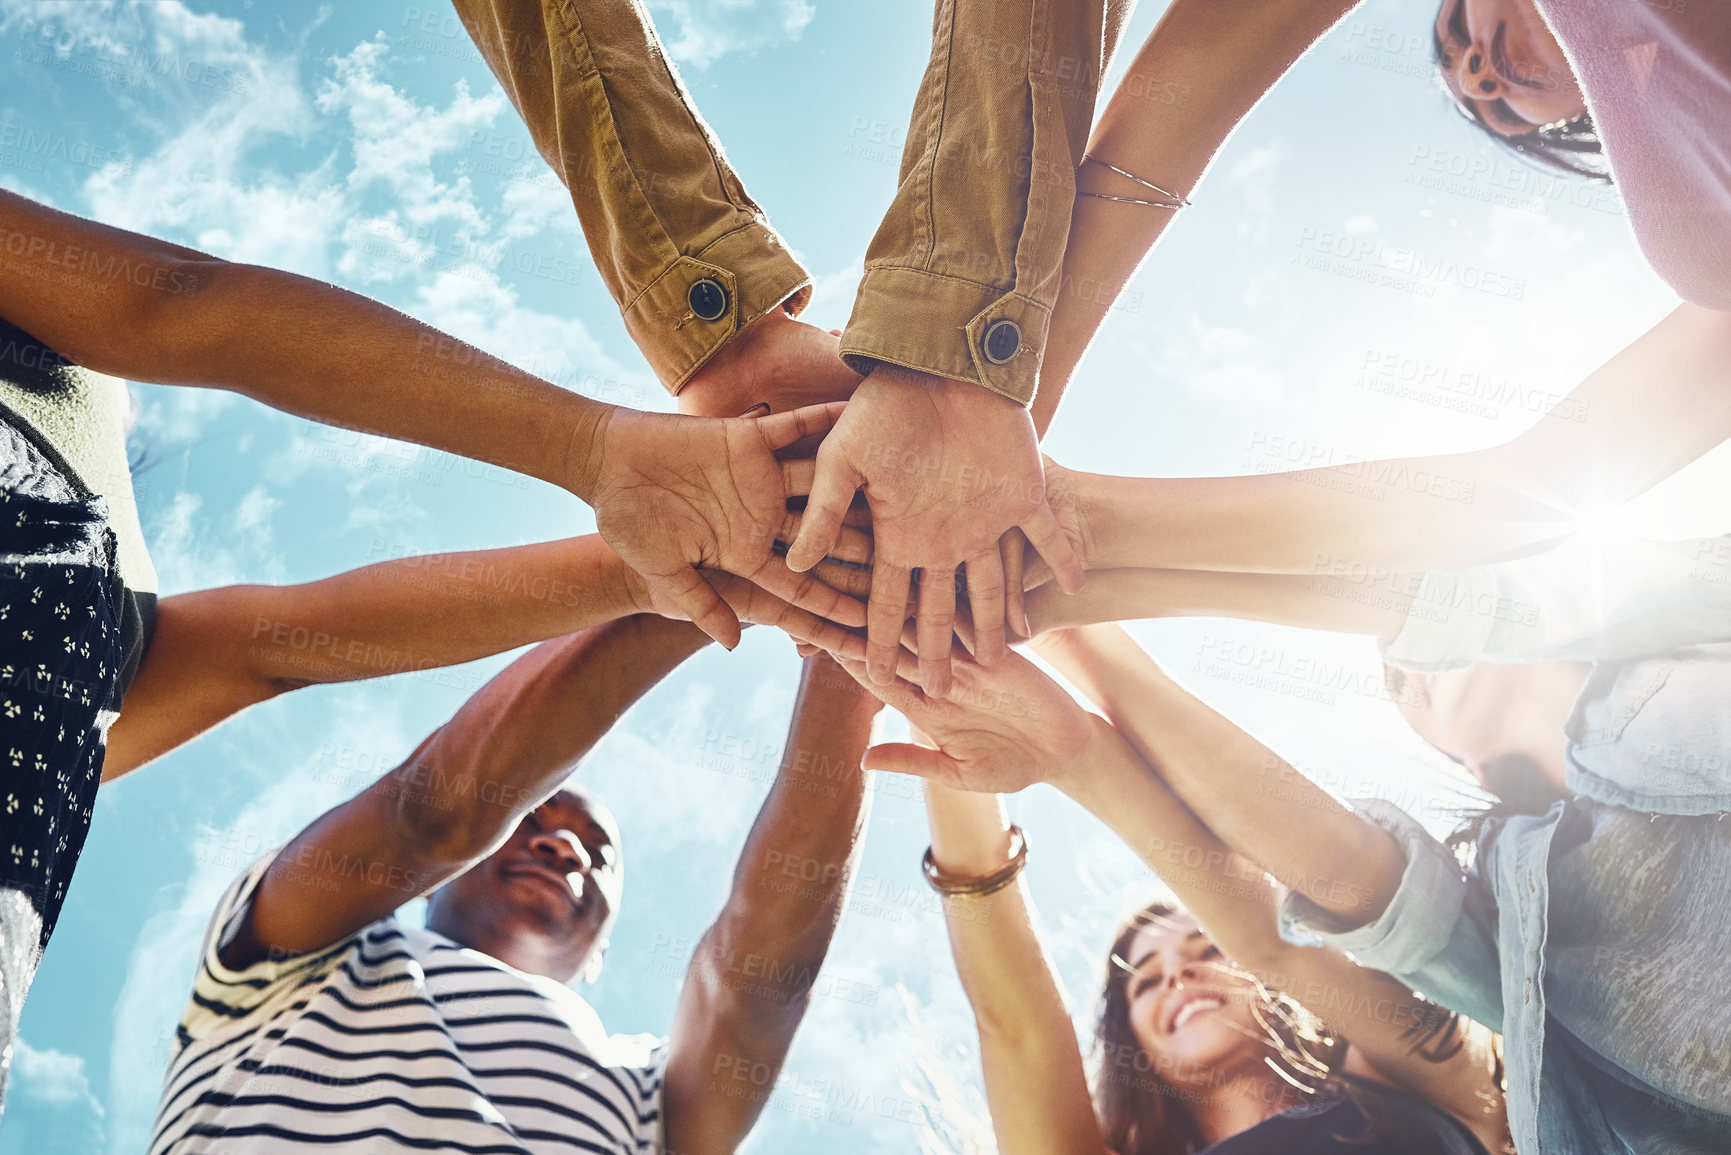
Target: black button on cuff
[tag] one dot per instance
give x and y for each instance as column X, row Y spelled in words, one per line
column 1001, row 341
column 708, row 300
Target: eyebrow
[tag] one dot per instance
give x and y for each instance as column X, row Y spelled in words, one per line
column 1188, row 935
column 1457, row 24
column 585, row 825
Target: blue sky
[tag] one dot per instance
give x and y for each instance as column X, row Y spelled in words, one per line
column 367, row 144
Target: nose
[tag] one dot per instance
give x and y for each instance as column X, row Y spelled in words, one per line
column 563, row 847
column 1474, row 74
column 1180, row 968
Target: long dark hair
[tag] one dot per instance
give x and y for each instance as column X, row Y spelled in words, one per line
column 1140, row 1112
column 1571, row 147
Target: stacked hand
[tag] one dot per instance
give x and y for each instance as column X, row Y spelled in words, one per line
column 947, row 468
column 998, row 729
column 674, row 493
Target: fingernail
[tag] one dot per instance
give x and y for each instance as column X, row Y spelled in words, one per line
column 759, row 410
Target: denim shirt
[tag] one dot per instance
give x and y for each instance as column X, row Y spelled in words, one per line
column 1594, row 936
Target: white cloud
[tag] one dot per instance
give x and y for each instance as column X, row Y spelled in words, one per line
column 396, row 140
column 703, row 31
column 252, row 516
column 52, row 1077
column 391, row 211
column 200, row 184
column 194, row 551
column 178, row 416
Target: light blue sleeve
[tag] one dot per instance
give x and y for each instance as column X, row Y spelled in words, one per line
column 1593, row 598
column 1437, row 934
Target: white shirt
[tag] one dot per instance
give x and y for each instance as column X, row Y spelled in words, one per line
column 398, row 1039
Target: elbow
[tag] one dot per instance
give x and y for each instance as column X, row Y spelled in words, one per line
column 423, row 814
column 156, row 329
column 751, row 981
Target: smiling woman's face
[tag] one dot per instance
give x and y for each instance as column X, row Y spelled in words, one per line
column 1501, row 63
column 1190, row 1010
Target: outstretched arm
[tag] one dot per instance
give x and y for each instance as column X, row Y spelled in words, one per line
column 1198, row 75
column 1373, row 604
column 218, row 651
column 1412, row 1043
column 1649, row 411
column 462, row 791
column 670, row 493
column 1035, row 1083
column 1011, row 724
column 752, row 974
column 144, row 309
column 1340, row 861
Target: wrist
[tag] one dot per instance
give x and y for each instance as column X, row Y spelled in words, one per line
column 592, row 423
column 1092, row 497
column 625, row 590
column 1080, row 773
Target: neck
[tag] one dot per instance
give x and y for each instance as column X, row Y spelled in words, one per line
column 1240, row 1103
column 1539, row 723
column 532, row 953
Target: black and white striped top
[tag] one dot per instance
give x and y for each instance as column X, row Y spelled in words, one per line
column 398, row 1039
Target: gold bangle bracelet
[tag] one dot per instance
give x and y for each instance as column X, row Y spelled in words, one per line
column 987, row 884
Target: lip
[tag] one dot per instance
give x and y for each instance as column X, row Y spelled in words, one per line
column 552, row 878
column 1499, row 53
column 1191, row 995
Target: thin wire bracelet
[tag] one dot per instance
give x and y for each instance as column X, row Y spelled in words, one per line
column 1173, row 201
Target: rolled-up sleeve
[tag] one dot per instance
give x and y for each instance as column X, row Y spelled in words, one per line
column 1429, row 937
column 1594, row 598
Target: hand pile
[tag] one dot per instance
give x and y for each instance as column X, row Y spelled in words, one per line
column 953, row 494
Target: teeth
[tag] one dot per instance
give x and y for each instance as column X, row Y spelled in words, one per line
column 1195, row 1007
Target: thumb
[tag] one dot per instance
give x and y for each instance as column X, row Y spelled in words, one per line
column 698, row 601
column 919, row 761
column 820, row 525
column 1049, row 541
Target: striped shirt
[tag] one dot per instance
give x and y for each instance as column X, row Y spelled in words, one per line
column 398, row 1039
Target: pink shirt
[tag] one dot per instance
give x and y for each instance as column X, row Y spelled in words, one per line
column 1657, row 78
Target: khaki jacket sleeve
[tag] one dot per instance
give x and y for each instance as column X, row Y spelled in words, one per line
column 963, row 273
column 686, row 253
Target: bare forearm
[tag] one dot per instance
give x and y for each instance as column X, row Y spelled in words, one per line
column 1227, row 893
column 1366, row 523
column 798, row 861
column 1237, row 787
column 141, row 308
column 216, row 652
column 334, row 356
column 1035, row 1084
column 753, row 972
column 1647, row 412
column 519, row 737
column 1199, row 74
column 436, row 610
column 1326, row 603
column 1002, row 964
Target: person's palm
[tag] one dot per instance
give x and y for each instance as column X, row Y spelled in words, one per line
column 999, row 730
column 674, row 493
column 947, row 467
